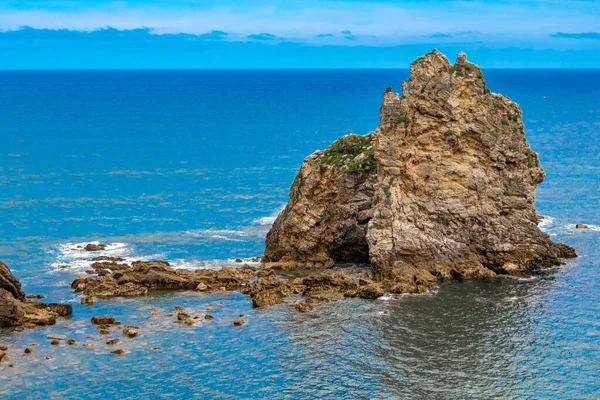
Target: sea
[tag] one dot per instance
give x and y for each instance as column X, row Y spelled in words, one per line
column 193, row 166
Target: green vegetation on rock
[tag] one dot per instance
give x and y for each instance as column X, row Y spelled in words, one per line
column 352, row 154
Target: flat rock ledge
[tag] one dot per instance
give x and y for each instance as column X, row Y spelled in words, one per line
column 17, row 311
column 117, row 279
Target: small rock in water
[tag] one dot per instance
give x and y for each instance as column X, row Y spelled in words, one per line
column 118, row 352
column 178, row 309
column 190, row 321
column 55, row 342
column 19, row 329
column 304, row 307
column 94, row 247
column 71, row 342
column 105, row 332
column 29, row 350
column 113, row 342
column 3, row 347
column 103, row 320
column 35, row 296
column 208, row 317
column 154, row 311
column 582, row 226
column 182, row 316
column 3, row 357
column 210, row 307
column 239, row 260
column 131, row 331
column 89, row 300
column 29, row 325
column 238, row 322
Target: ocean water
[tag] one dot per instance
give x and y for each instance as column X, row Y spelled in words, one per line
column 193, row 166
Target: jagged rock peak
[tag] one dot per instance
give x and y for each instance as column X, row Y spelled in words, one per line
column 449, row 187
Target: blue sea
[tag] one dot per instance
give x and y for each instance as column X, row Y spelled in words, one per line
column 192, row 166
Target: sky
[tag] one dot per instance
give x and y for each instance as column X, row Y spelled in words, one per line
column 64, row 34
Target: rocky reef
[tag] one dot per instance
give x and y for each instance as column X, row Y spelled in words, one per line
column 443, row 189
column 17, row 311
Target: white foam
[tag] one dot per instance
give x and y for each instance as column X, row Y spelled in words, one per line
column 221, row 234
column 72, row 256
column 546, row 223
column 573, row 227
column 271, row 218
column 210, row 264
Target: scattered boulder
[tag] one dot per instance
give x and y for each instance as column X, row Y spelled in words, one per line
column 55, row 342
column 71, row 342
column 208, row 317
column 29, row 350
column 182, row 316
column 238, row 322
column 103, row 320
column 131, row 331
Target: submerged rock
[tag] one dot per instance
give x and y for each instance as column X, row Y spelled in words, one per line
column 304, row 307
column 16, row 310
column 443, row 189
column 103, row 320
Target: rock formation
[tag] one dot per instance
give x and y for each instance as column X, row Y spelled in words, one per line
column 444, row 188
column 17, row 310
column 330, row 206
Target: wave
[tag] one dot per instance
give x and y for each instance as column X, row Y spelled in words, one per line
column 71, row 256
column 553, row 228
column 271, row 218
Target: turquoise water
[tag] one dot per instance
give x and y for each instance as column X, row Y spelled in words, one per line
column 192, row 167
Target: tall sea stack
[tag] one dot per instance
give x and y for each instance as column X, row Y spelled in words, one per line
column 444, row 188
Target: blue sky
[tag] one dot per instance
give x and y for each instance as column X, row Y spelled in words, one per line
column 295, row 34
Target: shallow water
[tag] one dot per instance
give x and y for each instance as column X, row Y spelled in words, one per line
column 192, row 167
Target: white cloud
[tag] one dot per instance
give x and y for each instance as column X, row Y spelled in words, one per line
column 371, row 23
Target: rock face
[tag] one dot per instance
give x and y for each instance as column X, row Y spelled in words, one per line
column 443, row 189
column 16, row 310
column 329, row 210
